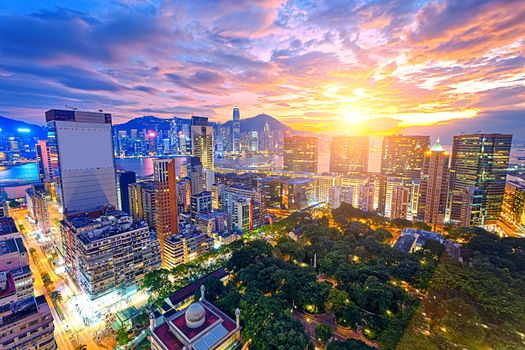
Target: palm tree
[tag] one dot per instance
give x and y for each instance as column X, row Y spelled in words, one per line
column 46, row 279
column 56, row 296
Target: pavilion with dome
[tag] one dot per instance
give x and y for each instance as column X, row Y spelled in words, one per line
column 200, row 326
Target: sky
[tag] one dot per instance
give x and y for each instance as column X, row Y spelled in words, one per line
column 337, row 67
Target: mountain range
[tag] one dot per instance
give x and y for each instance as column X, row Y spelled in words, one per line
column 255, row 123
column 12, row 127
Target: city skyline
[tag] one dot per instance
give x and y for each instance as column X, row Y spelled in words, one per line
column 396, row 67
column 262, row 174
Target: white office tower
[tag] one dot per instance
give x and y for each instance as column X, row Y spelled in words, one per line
column 86, row 170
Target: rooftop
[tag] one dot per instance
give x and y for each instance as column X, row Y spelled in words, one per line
column 298, row 181
column 113, row 223
column 12, row 245
column 7, row 226
column 175, row 333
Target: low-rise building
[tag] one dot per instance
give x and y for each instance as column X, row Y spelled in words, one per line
column 183, row 248
column 199, row 326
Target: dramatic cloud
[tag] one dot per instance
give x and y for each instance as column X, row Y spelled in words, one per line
column 372, row 66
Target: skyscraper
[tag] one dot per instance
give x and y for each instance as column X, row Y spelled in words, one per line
column 477, row 177
column 349, row 155
column 236, row 131
column 125, row 179
column 402, row 156
column 196, row 175
column 142, row 202
column 434, row 178
column 46, row 162
column 202, row 141
column 300, row 153
column 83, row 145
column 166, row 216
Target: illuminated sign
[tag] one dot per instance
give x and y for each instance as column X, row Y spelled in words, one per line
column 24, row 130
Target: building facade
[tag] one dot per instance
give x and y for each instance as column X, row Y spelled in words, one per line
column 478, row 173
column 26, row 321
column 300, row 154
column 110, row 252
column 166, row 215
column 82, row 143
column 349, row 155
column 434, row 181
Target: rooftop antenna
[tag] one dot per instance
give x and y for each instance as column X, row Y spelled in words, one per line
column 69, row 107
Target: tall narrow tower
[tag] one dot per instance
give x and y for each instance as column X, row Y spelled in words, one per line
column 166, row 216
column 434, row 185
column 236, row 131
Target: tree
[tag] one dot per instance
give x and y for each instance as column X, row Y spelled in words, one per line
column 122, row 336
column 56, row 296
column 32, row 252
column 382, row 235
column 401, row 223
column 46, row 279
column 81, row 347
column 323, row 333
column 337, row 299
column 420, row 225
column 465, row 234
column 14, row 204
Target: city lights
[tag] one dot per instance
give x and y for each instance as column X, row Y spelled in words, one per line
column 332, row 175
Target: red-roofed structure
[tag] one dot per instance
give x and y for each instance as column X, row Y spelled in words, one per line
column 200, row 326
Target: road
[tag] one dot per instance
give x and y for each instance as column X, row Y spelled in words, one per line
column 70, row 329
column 310, row 322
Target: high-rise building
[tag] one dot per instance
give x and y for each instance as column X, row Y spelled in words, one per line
column 270, row 188
column 184, row 194
column 402, row 156
column 196, row 174
column 200, row 204
column 46, row 161
column 236, row 131
column 26, row 321
column 125, row 179
column 166, row 216
column 434, row 178
column 142, row 202
column 300, row 154
column 110, row 252
column 513, row 208
column 400, row 202
column 298, row 193
column 37, row 205
column 231, row 196
column 349, row 155
column 477, row 177
column 254, row 141
column 202, row 141
column 82, row 142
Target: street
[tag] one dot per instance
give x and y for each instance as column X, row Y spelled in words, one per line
column 79, row 319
